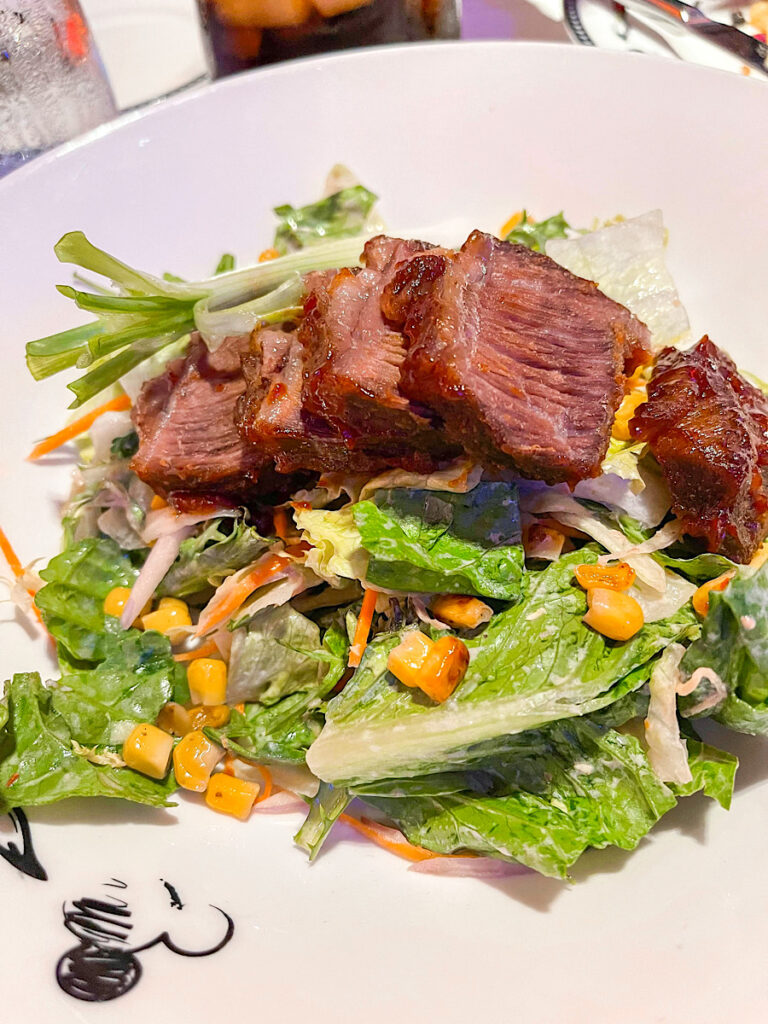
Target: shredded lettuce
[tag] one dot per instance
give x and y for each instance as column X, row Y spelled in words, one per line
column 627, row 262
column 534, row 663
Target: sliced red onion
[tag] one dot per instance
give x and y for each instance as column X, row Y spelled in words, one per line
column 161, row 557
column 469, row 867
column 281, row 802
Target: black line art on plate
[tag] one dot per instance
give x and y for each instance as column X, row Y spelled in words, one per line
column 104, row 965
column 24, row 859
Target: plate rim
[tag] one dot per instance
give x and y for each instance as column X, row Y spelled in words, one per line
column 413, row 51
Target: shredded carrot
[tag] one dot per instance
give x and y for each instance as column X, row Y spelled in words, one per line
column 281, row 524
column 511, row 224
column 11, row 780
column 17, row 569
column 202, row 651
column 384, row 837
column 267, row 787
column 267, row 255
column 80, row 426
column 229, row 597
column 363, row 627
column 240, row 707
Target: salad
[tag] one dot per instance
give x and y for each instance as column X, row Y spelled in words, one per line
column 471, row 664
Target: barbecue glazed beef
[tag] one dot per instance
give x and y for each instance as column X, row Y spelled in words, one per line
column 352, row 358
column 327, row 397
column 188, row 441
column 271, row 416
column 708, row 428
column 523, row 361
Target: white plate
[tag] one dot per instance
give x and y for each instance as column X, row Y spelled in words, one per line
column 452, row 137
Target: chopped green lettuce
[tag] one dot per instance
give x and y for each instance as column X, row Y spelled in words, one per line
column 280, row 653
column 556, row 792
column 534, row 663
column 72, row 601
column 283, row 729
column 734, row 645
column 281, row 732
column 536, row 233
column 136, row 678
column 440, row 541
column 340, row 215
column 205, row 560
column 39, row 762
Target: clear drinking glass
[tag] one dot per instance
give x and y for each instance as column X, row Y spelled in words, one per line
column 52, row 84
column 242, row 34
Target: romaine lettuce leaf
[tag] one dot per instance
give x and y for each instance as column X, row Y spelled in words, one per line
column 39, row 763
column 136, row 678
column 534, row 663
column 562, row 789
column 340, row 215
column 734, row 644
column 72, row 601
column 280, row 653
column 324, row 812
column 205, row 560
column 279, row 732
column 440, row 541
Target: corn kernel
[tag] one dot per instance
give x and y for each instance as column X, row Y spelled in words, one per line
column 625, row 412
column 212, row 715
column 169, row 615
column 700, row 599
column 207, row 678
column 268, row 254
column 444, row 668
column 613, row 613
column 116, row 600
column 460, row 611
column 157, row 502
column 174, row 718
column 230, row 795
column 194, row 758
column 406, row 661
column 611, row 577
column 148, row 750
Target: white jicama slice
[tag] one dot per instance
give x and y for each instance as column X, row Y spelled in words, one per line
column 160, row 559
column 667, row 751
column 626, row 261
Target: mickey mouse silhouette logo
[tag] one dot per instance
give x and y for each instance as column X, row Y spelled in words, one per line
column 104, row 965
